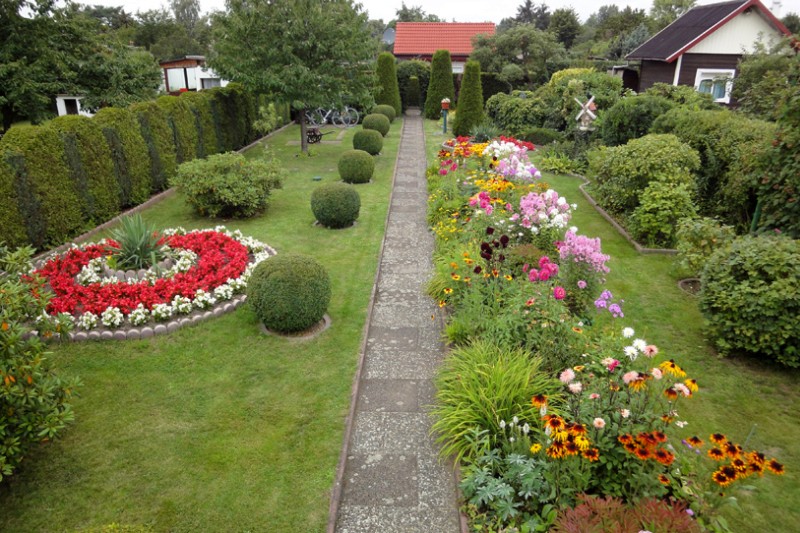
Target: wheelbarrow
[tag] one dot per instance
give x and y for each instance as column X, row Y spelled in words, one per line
column 314, row 135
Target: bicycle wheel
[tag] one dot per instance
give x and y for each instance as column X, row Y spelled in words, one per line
column 339, row 118
column 350, row 116
column 312, row 117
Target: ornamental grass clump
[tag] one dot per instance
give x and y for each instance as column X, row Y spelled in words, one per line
column 336, row 205
column 369, row 141
column 138, row 244
column 356, row 166
column 377, row 122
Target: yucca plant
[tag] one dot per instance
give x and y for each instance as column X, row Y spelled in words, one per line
column 138, row 244
column 484, row 132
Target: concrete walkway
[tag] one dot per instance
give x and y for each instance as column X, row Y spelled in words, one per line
column 393, row 479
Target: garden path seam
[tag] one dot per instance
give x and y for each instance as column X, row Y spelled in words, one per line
column 390, row 477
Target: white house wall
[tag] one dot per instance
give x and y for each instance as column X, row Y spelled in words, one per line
column 738, row 35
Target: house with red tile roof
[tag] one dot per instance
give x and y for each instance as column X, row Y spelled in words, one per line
column 419, row 40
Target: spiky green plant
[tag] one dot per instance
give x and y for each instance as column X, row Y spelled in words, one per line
column 138, row 244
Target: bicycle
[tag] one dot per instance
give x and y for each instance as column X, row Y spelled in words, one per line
column 345, row 118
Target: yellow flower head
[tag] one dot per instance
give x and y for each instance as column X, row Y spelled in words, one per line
column 536, row 448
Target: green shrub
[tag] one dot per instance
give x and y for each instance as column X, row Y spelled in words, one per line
column 356, row 166
column 385, row 110
column 91, row 166
column 414, row 93
column 683, row 95
column 542, row 136
column 370, row 141
column 336, row 205
column 517, row 112
column 441, row 85
column 377, row 122
column 697, row 239
column 558, row 95
column 750, row 298
column 160, row 140
column 34, row 400
column 491, row 84
column 289, row 293
column 200, row 105
column 484, row 132
column 234, row 113
column 128, row 153
column 11, row 219
column 228, row 185
column 631, row 118
column 470, row 100
column 389, row 90
column 661, row 207
column 406, row 70
column 48, row 198
column 622, row 172
column 184, row 127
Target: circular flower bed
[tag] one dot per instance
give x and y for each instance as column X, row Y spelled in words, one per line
column 210, row 266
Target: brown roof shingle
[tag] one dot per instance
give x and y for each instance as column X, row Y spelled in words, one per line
column 424, row 38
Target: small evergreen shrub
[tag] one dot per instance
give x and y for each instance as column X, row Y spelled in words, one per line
column 184, row 126
column 389, row 89
column 377, row 122
column 128, row 153
column 356, row 166
column 470, row 100
column 414, row 68
column 441, row 85
column 160, row 140
column 385, row 110
column 750, row 298
column 336, row 205
column 697, row 239
column 542, row 136
column 138, row 244
column 414, row 93
column 484, row 132
column 370, row 141
column 228, row 185
column 661, row 207
column 289, row 293
column 631, row 118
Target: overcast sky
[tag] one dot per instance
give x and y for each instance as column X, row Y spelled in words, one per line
column 460, row 10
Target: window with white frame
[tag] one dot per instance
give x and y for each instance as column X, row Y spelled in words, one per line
column 717, row 82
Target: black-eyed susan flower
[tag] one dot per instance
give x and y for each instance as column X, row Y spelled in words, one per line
column 571, row 448
column 664, row 480
column 508, row 277
column 625, row 439
column 695, row 441
column 630, row 447
column 716, row 454
column 455, row 276
column 663, row 456
column 448, row 290
column 671, row 394
column 691, row 384
column 557, row 450
column 672, row 369
column 739, row 464
column 757, row 457
column 539, row 400
column 721, row 479
column 642, row 453
column 536, row 448
column 732, row 450
column 582, row 443
column 592, row 454
column 775, row 467
column 638, row 384
column 453, row 265
column 718, row 438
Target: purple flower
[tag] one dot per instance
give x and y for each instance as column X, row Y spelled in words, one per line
column 600, row 303
column 606, row 295
column 581, row 284
column 615, row 310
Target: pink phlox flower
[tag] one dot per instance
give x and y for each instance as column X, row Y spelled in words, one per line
column 627, row 377
column 567, row 375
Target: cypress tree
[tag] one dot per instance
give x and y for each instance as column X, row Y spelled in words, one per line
column 413, row 92
column 470, row 100
column 387, row 81
column 441, row 84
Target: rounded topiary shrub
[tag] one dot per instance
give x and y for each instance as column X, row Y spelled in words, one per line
column 386, row 110
column 749, row 298
column 370, row 141
column 356, row 166
column 377, row 122
column 336, row 205
column 289, row 293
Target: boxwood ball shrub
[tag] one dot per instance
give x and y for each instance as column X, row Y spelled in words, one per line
column 336, row 205
column 377, row 122
column 386, row 110
column 750, row 298
column 356, row 166
column 370, row 141
column 289, row 293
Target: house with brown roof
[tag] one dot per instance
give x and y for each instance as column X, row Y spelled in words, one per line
column 188, row 73
column 703, row 47
column 419, row 40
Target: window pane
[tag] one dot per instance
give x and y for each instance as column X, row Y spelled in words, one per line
column 705, row 86
column 719, row 89
column 176, row 79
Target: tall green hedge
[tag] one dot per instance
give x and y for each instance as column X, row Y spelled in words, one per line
column 14, row 233
column 49, row 201
column 235, row 112
column 128, row 153
column 160, row 141
column 441, row 85
column 184, row 127
column 405, row 71
column 200, row 104
column 470, row 103
column 91, row 167
column 389, row 93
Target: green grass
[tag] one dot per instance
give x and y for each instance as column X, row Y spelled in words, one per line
column 217, row 427
column 736, row 395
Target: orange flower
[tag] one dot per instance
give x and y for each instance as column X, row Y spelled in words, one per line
column 717, row 438
column 775, row 467
column 625, row 439
column 664, row 457
column 663, row 479
column 671, row 394
column 695, row 441
column 660, row 436
column 539, row 400
column 642, row 453
column 592, row 454
column 716, row 454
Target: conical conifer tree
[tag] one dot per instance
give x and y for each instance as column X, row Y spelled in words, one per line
column 470, row 100
column 387, row 80
column 441, row 84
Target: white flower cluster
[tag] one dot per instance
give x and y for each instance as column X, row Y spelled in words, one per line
column 182, row 305
column 112, row 317
column 162, row 312
column 87, row 320
column 139, row 316
column 501, row 149
column 203, row 299
column 223, row 292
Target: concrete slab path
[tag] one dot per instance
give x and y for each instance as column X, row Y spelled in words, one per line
column 392, row 479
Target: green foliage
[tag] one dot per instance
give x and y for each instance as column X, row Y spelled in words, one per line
column 683, row 95
column 612, row 514
column 160, row 141
column 762, row 80
column 661, row 207
column 515, row 113
column 542, row 136
column 414, row 68
column 91, row 166
column 117, row 75
column 34, row 400
column 234, row 113
column 118, row 528
column 697, row 239
column 385, row 110
column 11, row 220
column 389, row 90
column 184, row 127
column 631, row 118
column 49, row 200
column 479, row 385
column 559, row 95
column 557, row 162
column 271, row 115
column 470, row 100
column 228, row 185
column 370, row 141
column 356, row 166
column 441, row 85
column 484, row 132
column 491, row 84
column 200, row 105
column 336, row 205
column 621, row 173
column 751, row 298
column 377, row 122
column 289, row 293
column 413, row 97
column 128, row 153
column 564, row 24
column 138, row 244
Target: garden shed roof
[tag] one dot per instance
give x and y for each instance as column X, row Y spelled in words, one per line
column 425, row 38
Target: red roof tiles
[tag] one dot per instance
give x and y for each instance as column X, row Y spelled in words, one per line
column 424, row 38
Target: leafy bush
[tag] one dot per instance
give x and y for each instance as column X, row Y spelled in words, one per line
column 414, row 96
column 389, row 90
column 184, row 126
column 631, row 118
column 441, row 85
column 370, row 141
column 336, row 205
column 413, row 68
column 542, row 136
column 228, row 185
column 128, row 153
column 289, row 293
column 750, row 298
column 356, row 166
column 612, row 514
column 558, row 95
column 557, row 162
column 160, row 141
column 661, row 207
column 491, row 84
column 34, row 400
column 138, row 244
column 622, row 172
column 683, row 95
column 385, row 110
column 376, row 122
column 470, row 100
column 697, row 239
column 517, row 112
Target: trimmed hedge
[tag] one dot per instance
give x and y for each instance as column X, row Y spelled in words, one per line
column 441, row 85
column 184, row 127
column 377, row 122
column 631, row 118
column 160, row 141
column 14, row 233
column 470, row 101
column 413, row 68
column 386, row 110
column 336, row 205
column 289, row 292
column 356, row 166
column 370, row 141
column 389, row 93
column 128, row 153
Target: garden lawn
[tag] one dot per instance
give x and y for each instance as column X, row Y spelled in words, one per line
column 217, row 427
column 737, row 396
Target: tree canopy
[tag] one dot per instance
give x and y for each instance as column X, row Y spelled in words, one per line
column 522, row 45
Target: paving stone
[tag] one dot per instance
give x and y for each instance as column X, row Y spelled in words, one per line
column 389, row 395
column 405, row 433
column 387, row 519
column 381, row 479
